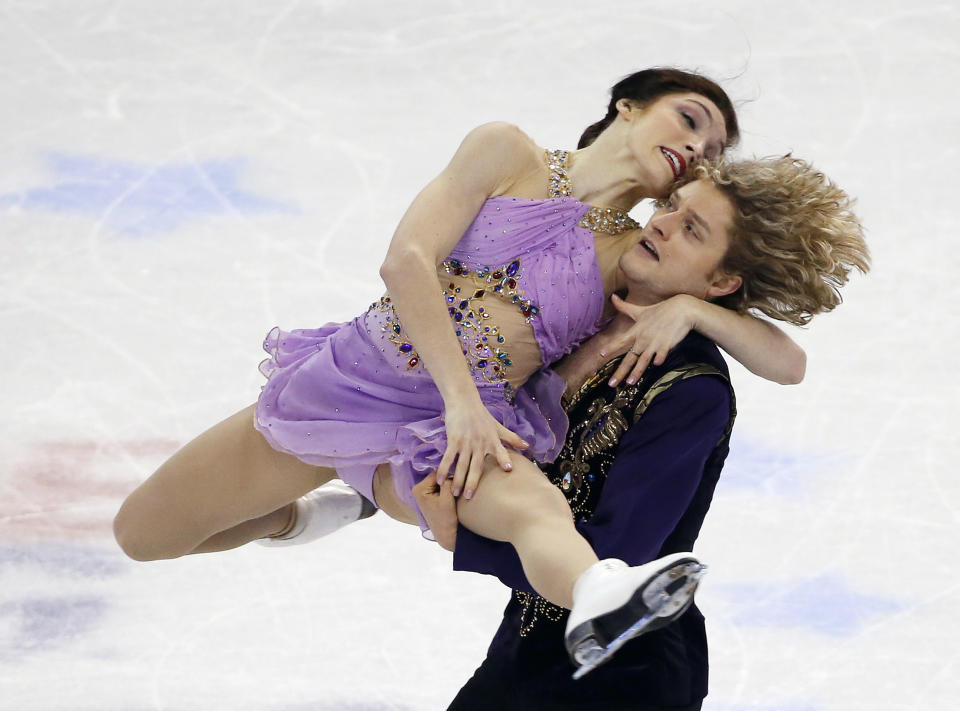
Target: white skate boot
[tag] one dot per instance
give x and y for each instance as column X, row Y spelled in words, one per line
column 613, row 603
column 323, row 511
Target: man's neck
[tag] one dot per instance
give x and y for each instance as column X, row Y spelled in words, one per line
column 587, row 359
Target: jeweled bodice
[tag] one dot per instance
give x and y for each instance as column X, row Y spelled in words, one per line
column 522, row 286
column 611, row 220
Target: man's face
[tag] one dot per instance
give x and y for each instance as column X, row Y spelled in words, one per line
column 681, row 247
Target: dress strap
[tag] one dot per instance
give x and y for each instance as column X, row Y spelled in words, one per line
column 610, row 220
column 559, row 182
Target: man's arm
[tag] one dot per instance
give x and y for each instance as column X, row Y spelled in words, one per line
column 439, row 508
column 657, row 469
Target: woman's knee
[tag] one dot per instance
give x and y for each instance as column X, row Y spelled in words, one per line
column 142, row 528
column 161, row 518
column 133, row 537
column 226, row 476
column 126, row 535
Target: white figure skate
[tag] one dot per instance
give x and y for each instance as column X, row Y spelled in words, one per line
column 613, row 603
column 322, row 511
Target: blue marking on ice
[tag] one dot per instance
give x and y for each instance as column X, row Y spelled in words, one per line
column 36, row 623
column 826, row 604
column 773, row 470
column 62, row 559
column 39, row 624
column 139, row 199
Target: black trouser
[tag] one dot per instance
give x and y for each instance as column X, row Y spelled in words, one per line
column 489, row 690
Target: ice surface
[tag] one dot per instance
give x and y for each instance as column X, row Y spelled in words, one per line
column 178, row 177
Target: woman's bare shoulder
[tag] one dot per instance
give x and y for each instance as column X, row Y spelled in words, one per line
column 504, row 136
column 506, row 145
column 506, row 150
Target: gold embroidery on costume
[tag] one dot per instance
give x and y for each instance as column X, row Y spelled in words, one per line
column 599, row 434
column 588, row 454
column 534, row 608
column 674, row 376
column 571, row 401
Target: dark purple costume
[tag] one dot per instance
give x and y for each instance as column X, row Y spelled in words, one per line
column 638, row 467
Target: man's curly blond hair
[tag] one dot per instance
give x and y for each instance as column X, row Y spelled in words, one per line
column 794, row 237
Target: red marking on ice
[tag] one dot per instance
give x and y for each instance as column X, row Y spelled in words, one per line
column 69, row 490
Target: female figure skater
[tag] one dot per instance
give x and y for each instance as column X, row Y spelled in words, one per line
column 499, row 267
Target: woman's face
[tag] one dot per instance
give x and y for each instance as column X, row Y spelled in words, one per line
column 669, row 135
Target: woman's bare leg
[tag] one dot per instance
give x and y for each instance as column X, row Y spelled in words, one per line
column 387, row 499
column 523, row 508
column 272, row 524
column 225, row 488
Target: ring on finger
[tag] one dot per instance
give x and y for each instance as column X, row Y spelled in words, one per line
column 636, row 354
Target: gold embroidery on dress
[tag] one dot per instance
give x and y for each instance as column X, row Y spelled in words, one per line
column 610, row 220
column 502, row 281
column 394, row 331
column 482, row 342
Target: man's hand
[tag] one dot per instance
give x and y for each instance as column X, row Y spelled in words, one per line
column 439, row 509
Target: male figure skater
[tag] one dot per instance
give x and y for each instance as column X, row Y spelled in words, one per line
column 638, row 468
column 641, row 460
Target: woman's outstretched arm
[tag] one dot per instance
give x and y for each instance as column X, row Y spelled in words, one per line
column 489, row 157
column 759, row 345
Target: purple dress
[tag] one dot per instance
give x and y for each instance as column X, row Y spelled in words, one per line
column 354, row 395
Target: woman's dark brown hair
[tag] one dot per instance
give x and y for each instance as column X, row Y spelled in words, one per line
column 648, row 85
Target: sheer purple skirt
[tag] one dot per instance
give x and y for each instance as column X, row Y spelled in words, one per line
column 342, row 396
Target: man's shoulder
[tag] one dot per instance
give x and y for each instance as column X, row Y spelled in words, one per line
column 694, row 357
column 696, row 349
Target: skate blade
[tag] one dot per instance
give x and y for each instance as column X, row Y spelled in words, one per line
column 597, row 656
column 665, row 604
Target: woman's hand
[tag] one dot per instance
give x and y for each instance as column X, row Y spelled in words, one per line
column 472, row 434
column 656, row 330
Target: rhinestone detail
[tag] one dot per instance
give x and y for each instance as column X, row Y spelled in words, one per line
column 502, row 281
column 394, row 332
column 609, row 220
column 482, row 343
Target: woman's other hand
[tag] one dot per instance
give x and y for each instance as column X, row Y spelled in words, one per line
column 656, row 330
